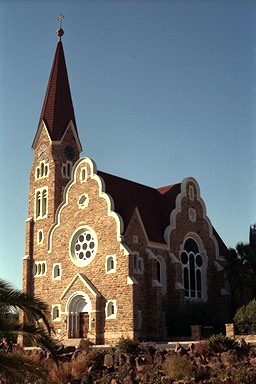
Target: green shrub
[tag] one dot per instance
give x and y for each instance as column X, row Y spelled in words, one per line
column 246, row 315
column 127, row 345
column 221, row 343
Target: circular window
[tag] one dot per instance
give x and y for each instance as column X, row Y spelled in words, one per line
column 83, row 246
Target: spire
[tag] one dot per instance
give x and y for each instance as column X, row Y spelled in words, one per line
column 58, row 108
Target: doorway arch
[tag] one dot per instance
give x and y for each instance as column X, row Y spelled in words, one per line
column 78, row 309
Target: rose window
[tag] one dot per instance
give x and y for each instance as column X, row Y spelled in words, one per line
column 83, row 247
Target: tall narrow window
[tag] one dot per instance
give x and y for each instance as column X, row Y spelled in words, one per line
column 41, row 199
column 192, row 263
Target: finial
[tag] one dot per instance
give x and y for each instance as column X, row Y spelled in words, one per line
column 60, row 31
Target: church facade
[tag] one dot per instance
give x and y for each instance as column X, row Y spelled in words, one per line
column 111, row 257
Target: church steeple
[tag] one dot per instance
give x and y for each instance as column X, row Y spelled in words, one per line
column 57, row 110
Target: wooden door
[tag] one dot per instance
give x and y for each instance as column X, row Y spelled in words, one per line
column 84, row 324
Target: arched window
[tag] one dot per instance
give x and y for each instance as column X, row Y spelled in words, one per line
column 111, row 309
column 56, row 312
column 110, row 264
column 41, row 198
column 56, row 271
column 161, row 273
column 192, row 263
column 83, row 175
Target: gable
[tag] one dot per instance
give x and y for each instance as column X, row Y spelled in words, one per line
column 74, row 283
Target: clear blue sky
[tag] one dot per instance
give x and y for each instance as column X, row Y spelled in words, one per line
column 162, row 90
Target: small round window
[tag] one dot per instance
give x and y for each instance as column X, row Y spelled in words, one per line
column 83, row 246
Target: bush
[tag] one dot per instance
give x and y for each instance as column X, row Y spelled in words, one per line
column 94, row 360
column 178, row 368
column 221, row 343
column 246, row 315
column 127, row 345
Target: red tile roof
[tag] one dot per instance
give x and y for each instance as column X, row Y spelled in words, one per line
column 58, row 108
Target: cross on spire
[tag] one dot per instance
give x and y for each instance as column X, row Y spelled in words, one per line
column 60, row 19
column 60, row 31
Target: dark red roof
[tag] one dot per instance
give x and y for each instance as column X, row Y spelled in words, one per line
column 58, row 108
column 154, row 206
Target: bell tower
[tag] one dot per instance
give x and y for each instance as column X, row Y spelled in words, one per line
column 56, row 148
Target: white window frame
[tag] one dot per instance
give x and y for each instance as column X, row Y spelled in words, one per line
column 53, row 271
column 135, row 239
column 111, row 315
column 86, row 202
column 203, row 269
column 108, row 261
column 57, row 306
column 42, row 170
column 162, row 281
column 66, row 169
column 138, row 263
column 40, row 231
column 38, row 268
column 83, row 175
column 41, row 203
column 191, row 192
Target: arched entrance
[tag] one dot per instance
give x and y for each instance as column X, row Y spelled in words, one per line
column 78, row 309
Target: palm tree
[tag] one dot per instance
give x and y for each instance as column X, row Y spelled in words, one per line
column 36, row 328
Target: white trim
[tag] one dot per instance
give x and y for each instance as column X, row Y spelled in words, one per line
column 218, row 266
column 113, row 315
column 224, row 292
column 173, row 258
column 177, row 210
column 42, row 265
column 26, row 257
column 84, row 204
column 135, row 239
column 179, row 286
column 66, row 169
column 83, row 179
column 162, row 281
column 156, row 283
column 93, row 175
column 150, row 254
column 39, row 201
column 69, row 126
column 86, row 283
column 111, row 270
column 42, row 239
column 194, row 236
column 131, row 280
column 41, row 174
column 138, row 264
column 58, row 317
column 72, row 242
column 53, row 271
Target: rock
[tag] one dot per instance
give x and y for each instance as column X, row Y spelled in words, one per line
column 180, row 350
column 84, row 344
column 108, row 360
column 166, row 380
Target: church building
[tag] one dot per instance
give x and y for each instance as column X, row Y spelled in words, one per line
column 111, row 257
